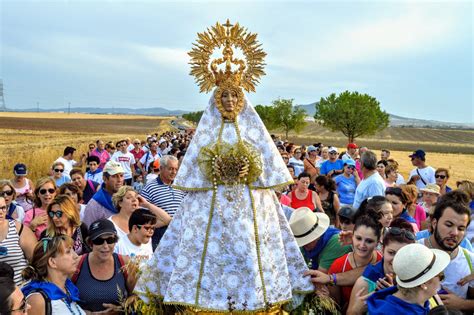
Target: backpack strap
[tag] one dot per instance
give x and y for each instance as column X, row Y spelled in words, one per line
column 468, row 258
column 91, row 185
column 421, row 177
column 78, row 269
column 122, row 267
column 47, row 301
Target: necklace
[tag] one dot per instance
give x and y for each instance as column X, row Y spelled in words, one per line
column 68, row 304
column 431, row 246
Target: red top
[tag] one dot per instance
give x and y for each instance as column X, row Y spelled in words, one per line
column 137, row 155
column 307, row 202
column 342, row 264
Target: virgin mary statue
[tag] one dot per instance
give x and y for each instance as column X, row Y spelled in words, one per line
column 229, row 248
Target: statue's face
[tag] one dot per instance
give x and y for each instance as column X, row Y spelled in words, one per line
column 229, row 100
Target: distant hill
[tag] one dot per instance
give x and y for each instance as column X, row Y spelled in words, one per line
column 153, row 111
column 399, row 121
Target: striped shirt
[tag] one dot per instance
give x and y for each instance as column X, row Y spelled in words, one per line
column 13, row 254
column 163, row 196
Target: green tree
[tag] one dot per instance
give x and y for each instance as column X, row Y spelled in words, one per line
column 193, row 116
column 351, row 113
column 287, row 117
column 266, row 114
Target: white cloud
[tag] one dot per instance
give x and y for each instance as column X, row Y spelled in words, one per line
column 165, row 56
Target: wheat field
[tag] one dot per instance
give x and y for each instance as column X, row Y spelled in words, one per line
column 37, row 139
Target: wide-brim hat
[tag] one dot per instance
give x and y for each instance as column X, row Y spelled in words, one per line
column 431, row 188
column 307, row 225
column 415, row 264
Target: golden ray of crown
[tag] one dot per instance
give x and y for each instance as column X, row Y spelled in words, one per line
column 206, row 71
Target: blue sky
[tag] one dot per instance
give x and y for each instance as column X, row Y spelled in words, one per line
column 415, row 57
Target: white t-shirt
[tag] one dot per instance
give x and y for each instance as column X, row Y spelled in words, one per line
column 82, row 211
column 148, row 158
column 400, row 180
column 68, row 164
column 120, row 233
column 457, row 269
column 125, row 247
column 428, row 175
column 125, row 159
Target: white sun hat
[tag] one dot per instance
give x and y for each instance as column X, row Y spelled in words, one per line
column 415, row 264
column 307, row 225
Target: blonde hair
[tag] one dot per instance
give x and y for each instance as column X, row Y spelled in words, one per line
column 410, row 192
column 45, row 249
column 40, row 183
column 117, row 198
column 68, row 207
column 467, row 186
column 56, row 164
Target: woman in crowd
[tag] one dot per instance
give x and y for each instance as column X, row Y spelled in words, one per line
column 126, row 200
column 366, row 235
column 326, row 188
column 63, row 219
column 12, row 300
column 442, row 177
column 37, row 218
column 101, row 276
column 419, row 271
column 414, row 210
column 468, row 187
column 16, row 243
column 391, row 176
column 380, row 275
column 71, row 190
column 296, row 161
column 310, row 163
column 399, row 201
column 430, row 194
column 14, row 210
column 381, row 165
column 54, row 261
column 324, row 156
column 58, row 174
column 304, row 197
column 23, row 187
column 347, row 183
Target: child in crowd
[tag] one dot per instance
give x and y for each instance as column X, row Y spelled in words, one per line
column 138, row 182
column 137, row 244
column 94, row 173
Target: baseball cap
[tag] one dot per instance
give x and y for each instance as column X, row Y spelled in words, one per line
column 332, row 149
column 352, row 146
column 20, row 169
column 156, row 164
column 113, row 168
column 418, row 153
column 349, row 162
column 312, row 148
column 101, row 227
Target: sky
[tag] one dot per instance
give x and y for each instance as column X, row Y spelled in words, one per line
column 414, row 57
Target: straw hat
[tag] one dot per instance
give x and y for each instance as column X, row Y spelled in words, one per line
column 431, row 188
column 414, row 264
column 307, row 225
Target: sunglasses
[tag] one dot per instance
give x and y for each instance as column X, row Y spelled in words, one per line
column 351, row 167
column 441, row 276
column 23, row 307
column 108, row 240
column 136, row 143
column 3, row 208
column 58, row 214
column 397, row 231
column 57, row 170
column 43, row 191
column 51, row 240
column 6, row 193
column 344, row 220
column 147, row 228
column 441, row 176
column 333, row 153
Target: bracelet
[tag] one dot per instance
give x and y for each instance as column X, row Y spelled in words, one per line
column 334, row 279
column 331, row 280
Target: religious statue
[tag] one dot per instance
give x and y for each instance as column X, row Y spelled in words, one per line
column 229, row 248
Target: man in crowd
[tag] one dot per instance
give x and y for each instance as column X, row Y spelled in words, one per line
column 422, row 174
column 126, row 159
column 148, row 158
column 101, row 153
column 101, row 206
column 333, row 166
column 384, row 154
column 160, row 192
column 94, row 173
column 351, row 153
column 88, row 187
column 449, row 223
column 68, row 160
column 372, row 184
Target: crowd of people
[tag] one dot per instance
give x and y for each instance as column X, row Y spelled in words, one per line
column 72, row 241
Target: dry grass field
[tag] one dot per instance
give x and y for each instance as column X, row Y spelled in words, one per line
column 37, row 139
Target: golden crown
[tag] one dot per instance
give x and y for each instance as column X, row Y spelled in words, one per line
column 207, row 72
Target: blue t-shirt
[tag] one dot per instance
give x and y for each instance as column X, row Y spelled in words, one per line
column 328, row 166
column 384, row 303
column 346, row 188
column 63, row 179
